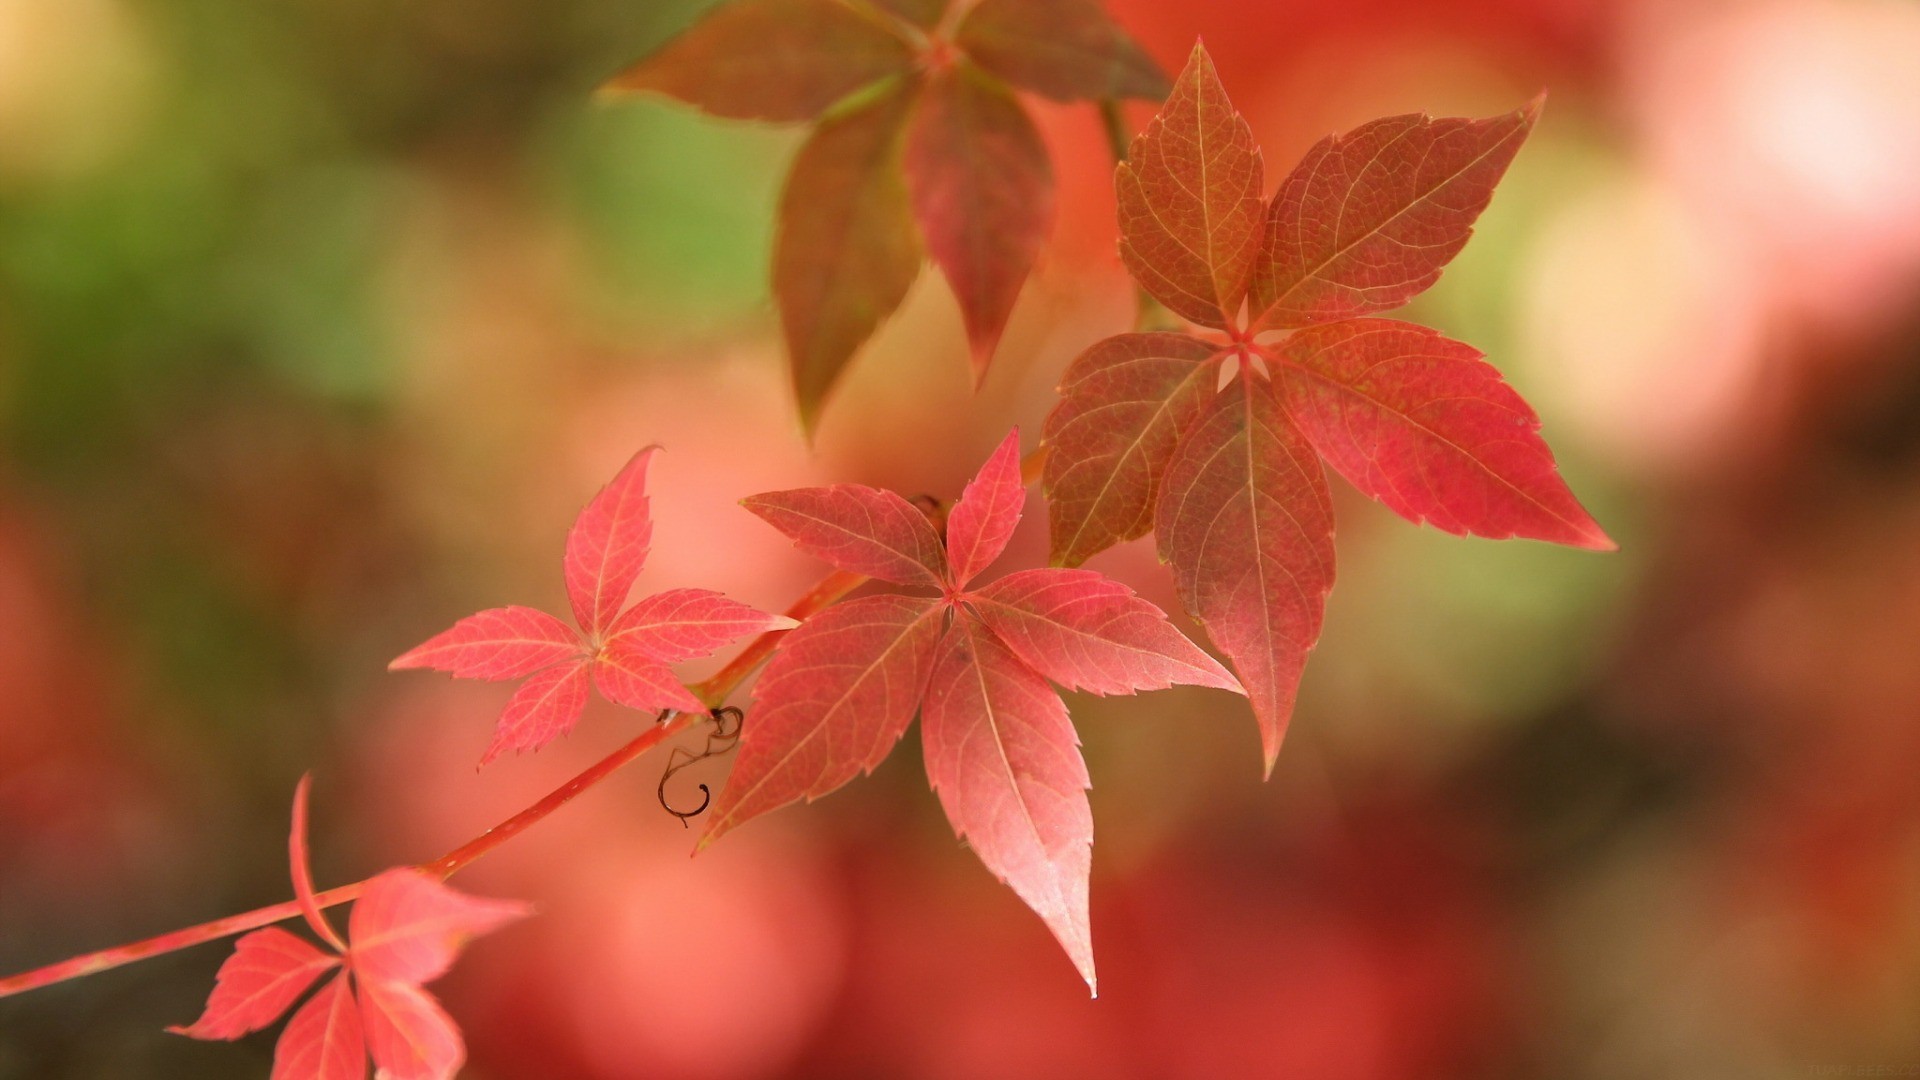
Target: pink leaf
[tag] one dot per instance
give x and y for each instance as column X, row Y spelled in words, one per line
column 1005, row 761
column 1123, row 405
column 607, row 546
column 1189, row 197
column 983, row 520
column 1087, row 631
column 302, row 873
column 499, row 643
column 544, row 708
column 681, row 624
column 408, row 1034
column 324, row 1040
column 837, row 695
column 1247, row 522
column 982, row 193
column 268, row 971
column 1422, row 424
column 628, row 678
column 408, row 926
column 862, row 529
column 1367, row 219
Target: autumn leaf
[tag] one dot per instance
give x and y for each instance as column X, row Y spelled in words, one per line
column 983, row 196
column 1423, row 424
column 846, row 249
column 773, row 59
column 920, row 148
column 1245, row 519
column 1215, row 444
column 1069, row 50
column 975, row 662
column 623, row 651
column 1123, row 406
column 1367, row 219
column 405, row 930
column 1189, row 197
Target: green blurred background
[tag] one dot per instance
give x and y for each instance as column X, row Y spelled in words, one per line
column 319, row 319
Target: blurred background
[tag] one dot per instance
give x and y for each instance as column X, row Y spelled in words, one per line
column 320, row 319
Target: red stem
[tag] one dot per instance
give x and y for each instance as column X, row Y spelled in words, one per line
column 714, row 691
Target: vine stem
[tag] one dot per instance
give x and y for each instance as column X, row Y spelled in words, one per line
column 713, row 691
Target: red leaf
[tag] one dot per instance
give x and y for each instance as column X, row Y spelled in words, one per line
column 499, row 643
column 681, row 624
column 407, row 926
column 773, row 59
column 324, row 1040
column 406, row 929
column 627, row 677
column 268, row 971
column 608, row 544
column 1087, row 631
column 846, row 249
column 544, row 708
column 1123, row 405
column 862, row 529
column 1189, row 198
column 1367, row 219
column 922, row 13
column 409, row 1035
column 837, row 695
column 983, row 520
column 1068, row 50
column 983, row 194
column 1422, row 424
column 1246, row 520
column 1005, row 761
column 628, row 651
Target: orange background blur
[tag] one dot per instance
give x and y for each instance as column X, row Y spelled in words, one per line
column 319, row 319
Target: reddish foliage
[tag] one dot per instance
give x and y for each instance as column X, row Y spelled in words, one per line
column 625, row 653
column 919, row 138
column 1000, row 751
column 406, row 930
column 1145, row 436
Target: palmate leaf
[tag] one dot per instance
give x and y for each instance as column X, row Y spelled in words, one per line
column 841, row 690
column 624, row 652
column 1230, row 479
column 920, row 148
column 406, row 929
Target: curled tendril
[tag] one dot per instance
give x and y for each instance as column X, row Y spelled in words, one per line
column 727, row 722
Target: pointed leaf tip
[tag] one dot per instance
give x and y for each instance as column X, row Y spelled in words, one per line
column 1425, row 425
column 608, row 545
column 1003, row 758
column 1189, row 200
column 982, row 521
column 982, row 191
